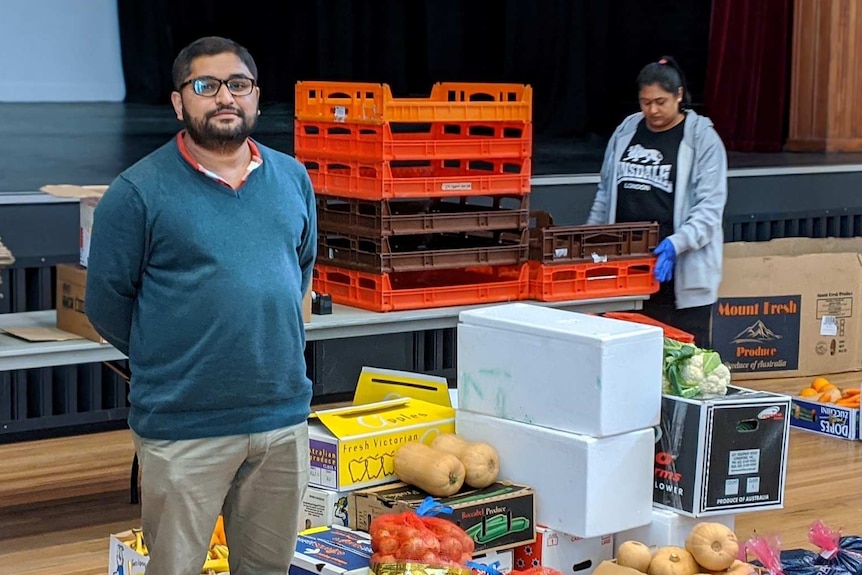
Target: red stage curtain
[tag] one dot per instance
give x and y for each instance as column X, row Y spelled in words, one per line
column 748, row 72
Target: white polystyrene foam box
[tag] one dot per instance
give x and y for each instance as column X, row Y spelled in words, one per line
column 585, row 486
column 565, row 370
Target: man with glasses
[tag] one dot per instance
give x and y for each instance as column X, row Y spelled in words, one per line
column 200, row 256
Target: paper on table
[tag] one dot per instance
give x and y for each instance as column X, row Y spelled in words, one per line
column 38, row 334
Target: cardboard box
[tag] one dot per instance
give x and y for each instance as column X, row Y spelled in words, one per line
column 586, row 486
column 667, row 528
column 89, row 196
column 568, row 554
column 378, row 384
column 502, row 560
column 499, row 505
column 71, row 293
column 122, row 559
column 825, row 418
column 790, row 307
column 331, row 551
column 354, row 447
column 323, row 507
column 564, row 370
column 724, row 455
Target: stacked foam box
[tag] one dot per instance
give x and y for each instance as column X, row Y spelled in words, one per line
column 570, row 401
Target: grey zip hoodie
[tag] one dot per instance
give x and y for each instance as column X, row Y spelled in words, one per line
column 698, row 206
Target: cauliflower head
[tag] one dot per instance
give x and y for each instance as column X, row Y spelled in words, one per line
column 693, row 372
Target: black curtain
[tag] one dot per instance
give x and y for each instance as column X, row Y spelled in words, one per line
column 580, row 56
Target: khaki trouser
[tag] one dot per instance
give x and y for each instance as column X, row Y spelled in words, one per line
column 256, row 480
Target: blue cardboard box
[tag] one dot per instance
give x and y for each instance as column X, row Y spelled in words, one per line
column 331, row 551
column 825, row 418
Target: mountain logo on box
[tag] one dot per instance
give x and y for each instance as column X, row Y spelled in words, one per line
column 756, row 333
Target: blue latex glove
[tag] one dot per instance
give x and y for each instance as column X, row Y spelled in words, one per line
column 666, row 255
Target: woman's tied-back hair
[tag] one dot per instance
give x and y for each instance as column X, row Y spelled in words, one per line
column 668, row 75
column 209, row 46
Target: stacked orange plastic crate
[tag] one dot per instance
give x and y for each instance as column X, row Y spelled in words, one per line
column 585, row 262
column 421, row 202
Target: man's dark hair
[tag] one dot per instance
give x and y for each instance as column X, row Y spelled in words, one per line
column 209, row 46
column 667, row 74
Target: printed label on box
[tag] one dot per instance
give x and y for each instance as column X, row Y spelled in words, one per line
column 757, row 333
column 831, row 420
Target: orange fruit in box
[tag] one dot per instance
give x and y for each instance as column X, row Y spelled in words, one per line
column 808, row 392
column 819, row 383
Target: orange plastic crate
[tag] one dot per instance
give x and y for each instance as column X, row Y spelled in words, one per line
column 437, row 140
column 669, row 330
column 435, row 178
column 420, row 290
column 448, row 102
column 563, row 282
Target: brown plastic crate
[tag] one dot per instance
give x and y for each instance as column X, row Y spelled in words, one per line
column 422, row 141
column 552, row 244
column 433, row 215
column 421, row 252
column 418, row 179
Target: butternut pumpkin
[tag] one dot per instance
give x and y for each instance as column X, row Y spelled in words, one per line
column 713, row 545
column 634, row 554
column 481, row 461
column 435, row 472
column 673, row 560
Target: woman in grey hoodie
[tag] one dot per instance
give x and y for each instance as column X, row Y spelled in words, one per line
column 667, row 164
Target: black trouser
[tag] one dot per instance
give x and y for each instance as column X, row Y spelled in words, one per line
column 695, row 320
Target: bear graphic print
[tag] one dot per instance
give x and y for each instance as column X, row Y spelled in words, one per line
column 645, row 176
column 642, row 169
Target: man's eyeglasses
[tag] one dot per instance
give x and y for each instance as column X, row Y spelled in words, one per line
column 209, row 86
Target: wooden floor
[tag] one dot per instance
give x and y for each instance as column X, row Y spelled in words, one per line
column 61, row 498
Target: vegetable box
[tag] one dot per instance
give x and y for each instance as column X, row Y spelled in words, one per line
column 331, row 551
column 122, row 559
column 353, row 447
column 323, row 507
column 563, row 370
column 723, row 455
column 565, row 553
column 499, row 516
column 825, row 418
column 586, row 486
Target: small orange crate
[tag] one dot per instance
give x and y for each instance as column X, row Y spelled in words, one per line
column 669, row 331
column 437, row 140
column 617, row 278
column 449, row 102
column 427, row 179
column 421, row 290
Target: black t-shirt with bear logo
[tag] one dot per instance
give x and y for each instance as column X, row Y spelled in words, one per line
column 645, row 177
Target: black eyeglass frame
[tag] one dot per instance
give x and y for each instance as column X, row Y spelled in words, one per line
column 226, row 83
